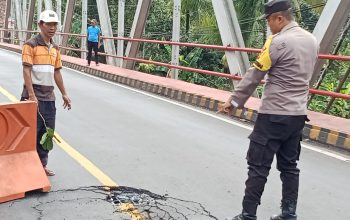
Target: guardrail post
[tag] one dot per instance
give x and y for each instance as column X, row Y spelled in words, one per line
column 176, row 38
column 120, row 45
column 84, row 10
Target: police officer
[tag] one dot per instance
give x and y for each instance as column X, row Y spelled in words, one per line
column 287, row 58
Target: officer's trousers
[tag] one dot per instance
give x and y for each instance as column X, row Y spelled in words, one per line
column 278, row 135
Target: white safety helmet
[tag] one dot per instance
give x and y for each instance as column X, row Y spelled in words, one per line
column 48, row 16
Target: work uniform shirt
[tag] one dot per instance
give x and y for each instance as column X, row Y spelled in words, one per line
column 288, row 58
column 93, row 33
column 44, row 60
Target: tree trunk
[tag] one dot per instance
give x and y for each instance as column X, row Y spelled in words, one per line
column 187, row 21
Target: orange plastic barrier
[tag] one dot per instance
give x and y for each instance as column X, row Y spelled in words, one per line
column 20, row 167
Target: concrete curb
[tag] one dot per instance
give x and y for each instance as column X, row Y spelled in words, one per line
column 312, row 132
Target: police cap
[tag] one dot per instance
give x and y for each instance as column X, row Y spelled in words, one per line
column 276, row 6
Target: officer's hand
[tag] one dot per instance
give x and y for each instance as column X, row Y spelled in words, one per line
column 227, row 107
column 66, row 102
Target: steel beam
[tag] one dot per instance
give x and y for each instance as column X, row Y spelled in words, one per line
column 120, row 45
column 59, row 13
column 176, row 38
column 84, row 8
column 105, row 21
column 327, row 30
column 268, row 30
column 25, row 12
column 19, row 23
column 13, row 15
column 231, row 35
column 30, row 18
column 48, row 5
column 59, row 10
column 7, row 15
column 39, row 9
column 137, row 29
column 67, row 24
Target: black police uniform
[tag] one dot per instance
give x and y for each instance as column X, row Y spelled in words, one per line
column 288, row 60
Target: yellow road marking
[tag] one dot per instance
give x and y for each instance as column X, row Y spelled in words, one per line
column 8, row 95
column 84, row 162
column 132, row 211
column 89, row 166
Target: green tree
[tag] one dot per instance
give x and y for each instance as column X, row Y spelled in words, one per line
column 192, row 9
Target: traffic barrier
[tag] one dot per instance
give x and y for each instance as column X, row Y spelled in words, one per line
column 20, row 167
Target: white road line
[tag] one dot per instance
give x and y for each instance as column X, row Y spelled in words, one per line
column 309, row 147
column 325, row 152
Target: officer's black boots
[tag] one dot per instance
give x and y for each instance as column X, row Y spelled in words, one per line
column 249, row 211
column 288, row 211
column 244, row 216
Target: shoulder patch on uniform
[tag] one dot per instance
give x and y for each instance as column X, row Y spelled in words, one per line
column 263, row 62
column 281, row 46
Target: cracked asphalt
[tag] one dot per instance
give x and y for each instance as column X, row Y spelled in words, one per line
column 174, row 163
column 78, row 203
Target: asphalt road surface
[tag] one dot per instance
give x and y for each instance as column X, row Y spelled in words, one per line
column 176, row 162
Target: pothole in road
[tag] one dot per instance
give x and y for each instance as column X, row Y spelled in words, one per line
column 144, row 204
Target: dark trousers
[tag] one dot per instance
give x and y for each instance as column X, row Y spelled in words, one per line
column 48, row 111
column 92, row 46
column 278, row 135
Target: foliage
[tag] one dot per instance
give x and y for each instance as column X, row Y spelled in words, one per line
column 309, row 17
column 253, row 29
column 205, row 59
column 206, row 30
column 334, row 74
column 146, row 68
column 46, row 139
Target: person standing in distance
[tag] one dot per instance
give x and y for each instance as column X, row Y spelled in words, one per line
column 93, row 37
column 41, row 67
column 288, row 59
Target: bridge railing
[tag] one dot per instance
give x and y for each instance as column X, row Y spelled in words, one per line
column 189, row 69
